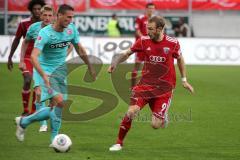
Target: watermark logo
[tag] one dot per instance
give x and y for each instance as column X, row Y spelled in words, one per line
column 119, row 79
column 172, row 117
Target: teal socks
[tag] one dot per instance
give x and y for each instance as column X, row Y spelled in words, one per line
column 56, row 120
column 38, row 107
column 40, row 115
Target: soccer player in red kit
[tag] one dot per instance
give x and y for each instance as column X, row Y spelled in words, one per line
column 158, row 77
column 34, row 7
column 141, row 30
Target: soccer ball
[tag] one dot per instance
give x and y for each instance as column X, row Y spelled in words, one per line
column 62, row 143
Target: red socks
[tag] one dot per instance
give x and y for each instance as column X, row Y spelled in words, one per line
column 124, row 128
column 25, row 99
column 33, row 103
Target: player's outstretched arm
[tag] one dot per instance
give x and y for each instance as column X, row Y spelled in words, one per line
column 14, row 46
column 13, row 49
column 119, row 59
column 83, row 55
column 182, row 69
column 36, row 65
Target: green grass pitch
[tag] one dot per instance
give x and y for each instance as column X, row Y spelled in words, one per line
column 202, row 126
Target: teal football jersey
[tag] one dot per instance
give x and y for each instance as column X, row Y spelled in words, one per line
column 33, row 31
column 53, row 46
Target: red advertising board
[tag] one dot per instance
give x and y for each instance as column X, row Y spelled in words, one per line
column 138, row 4
column 167, row 4
column 216, row 4
column 21, row 5
column 80, row 5
column 1, row 4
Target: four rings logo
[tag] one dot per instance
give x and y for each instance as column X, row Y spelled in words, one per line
column 220, row 52
column 157, row 59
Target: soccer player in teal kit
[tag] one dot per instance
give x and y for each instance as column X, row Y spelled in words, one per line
column 47, row 14
column 51, row 47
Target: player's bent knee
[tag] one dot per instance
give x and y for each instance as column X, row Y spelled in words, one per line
column 130, row 113
column 58, row 100
column 156, row 125
column 133, row 110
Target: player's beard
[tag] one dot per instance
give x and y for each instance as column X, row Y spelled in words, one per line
column 151, row 36
column 155, row 36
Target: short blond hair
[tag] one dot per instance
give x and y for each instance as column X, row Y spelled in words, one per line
column 47, row 8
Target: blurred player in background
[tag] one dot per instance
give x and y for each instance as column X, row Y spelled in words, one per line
column 47, row 16
column 51, row 47
column 182, row 29
column 141, row 30
column 34, row 7
column 158, row 77
column 113, row 28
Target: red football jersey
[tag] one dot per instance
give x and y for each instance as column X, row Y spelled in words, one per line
column 22, row 31
column 158, row 69
column 141, row 24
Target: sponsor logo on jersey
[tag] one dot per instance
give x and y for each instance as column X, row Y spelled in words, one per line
column 60, row 45
column 157, row 59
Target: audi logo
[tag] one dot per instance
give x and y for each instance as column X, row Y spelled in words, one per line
column 157, row 59
column 221, row 52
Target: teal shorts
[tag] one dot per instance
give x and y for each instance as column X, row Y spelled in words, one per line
column 36, row 78
column 58, row 86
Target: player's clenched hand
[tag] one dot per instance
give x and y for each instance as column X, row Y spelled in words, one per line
column 111, row 68
column 22, row 66
column 188, row 86
column 10, row 64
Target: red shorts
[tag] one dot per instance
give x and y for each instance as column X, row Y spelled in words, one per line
column 158, row 104
column 139, row 57
column 29, row 66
